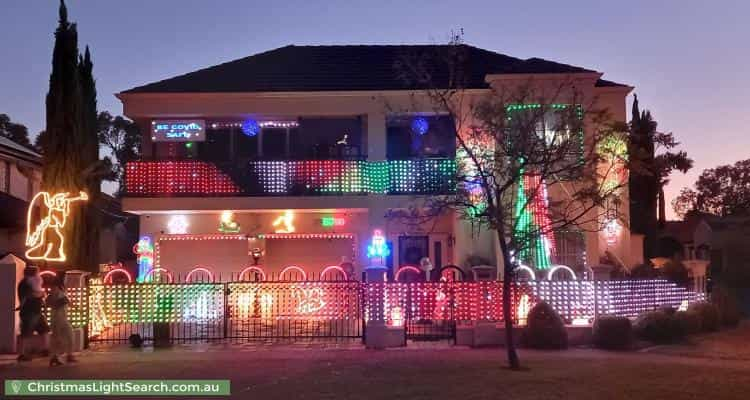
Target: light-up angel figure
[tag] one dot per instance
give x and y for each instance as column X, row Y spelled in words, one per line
column 46, row 242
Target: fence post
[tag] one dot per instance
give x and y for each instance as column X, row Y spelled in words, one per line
column 596, row 301
column 226, row 315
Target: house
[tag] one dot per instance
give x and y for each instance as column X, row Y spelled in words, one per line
column 710, row 245
column 20, row 179
column 294, row 159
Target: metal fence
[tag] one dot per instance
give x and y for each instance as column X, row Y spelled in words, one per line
column 268, row 310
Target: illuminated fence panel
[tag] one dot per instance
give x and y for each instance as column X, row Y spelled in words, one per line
column 294, row 310
column 193, row 310
column 421, row 176
column 339, row 309
column 575, row 301
column 631, row 298
column 77, row 306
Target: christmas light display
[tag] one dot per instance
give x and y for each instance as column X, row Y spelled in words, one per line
column 533, row 227
column 250, row 127
column 331, row 268
column 108, row 277
column 612, row 231
column 332, row 221
column 311, row 177
column 309, row 300
column 144, row 250
column 47, row 273
column 291, row 268
column 227, row 223
column 210, row 275
column 156, row 272
column 522, row 312
column 174, row 178
column 407, row 268
column 420, row 126
column 266, row 305
column 378, row 249
column 285, row 222
column 177, row 225
column 526, row 269
column 256, row 269
column 47, row 242
column 551, row 273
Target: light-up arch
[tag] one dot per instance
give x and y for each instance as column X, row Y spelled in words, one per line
column 334, row 268
column 205, row 270
column 252, row 268
column 449, row 273
column 554, row 269
column 47, row 272
column 406, row 268
column 152, row 271
column 108, row 278
column 292, row 268
column 528, row 270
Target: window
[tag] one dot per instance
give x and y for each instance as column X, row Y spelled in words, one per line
column 437, row 137
column 274, row 143
column 217, row 145
column 328, row 138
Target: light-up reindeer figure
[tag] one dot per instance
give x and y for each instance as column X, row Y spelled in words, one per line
column 46, row 242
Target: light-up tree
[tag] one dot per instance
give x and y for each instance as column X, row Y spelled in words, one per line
column 533, row 158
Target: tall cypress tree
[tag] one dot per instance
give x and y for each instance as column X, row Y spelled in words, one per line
column 70, row 145
column 643, row 182
column 89, row 232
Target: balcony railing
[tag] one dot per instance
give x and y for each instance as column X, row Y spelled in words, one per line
column 290, row 178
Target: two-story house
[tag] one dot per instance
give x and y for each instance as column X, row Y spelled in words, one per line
column 298, row 155
column 20, row 179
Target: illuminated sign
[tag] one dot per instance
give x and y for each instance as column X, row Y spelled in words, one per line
column 332, row 221
column 47, row 242
column 192, row 130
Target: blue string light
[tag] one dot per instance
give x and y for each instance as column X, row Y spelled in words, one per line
column 250, row 127
column 420, row 126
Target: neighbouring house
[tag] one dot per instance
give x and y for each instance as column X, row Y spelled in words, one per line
column 20, row 179
column 710, row 245
column 296, row 156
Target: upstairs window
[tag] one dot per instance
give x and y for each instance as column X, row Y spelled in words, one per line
column 415, row 136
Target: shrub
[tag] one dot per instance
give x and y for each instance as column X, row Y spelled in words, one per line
column 545, row 329
column 709, row 313
column 613, row 333
column 658, row 327
column 690, row 321
column 675, row 271
column 726, row 302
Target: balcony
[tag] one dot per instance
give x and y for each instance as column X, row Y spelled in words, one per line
column 188, row 178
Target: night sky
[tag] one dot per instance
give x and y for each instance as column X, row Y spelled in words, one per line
column 687, row 59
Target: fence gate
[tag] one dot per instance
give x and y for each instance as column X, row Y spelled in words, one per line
column 266, row 310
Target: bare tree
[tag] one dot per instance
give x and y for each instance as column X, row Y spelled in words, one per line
column 515, row 145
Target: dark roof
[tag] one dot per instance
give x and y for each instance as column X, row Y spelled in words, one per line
column 15, row 150
column 337, row 68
